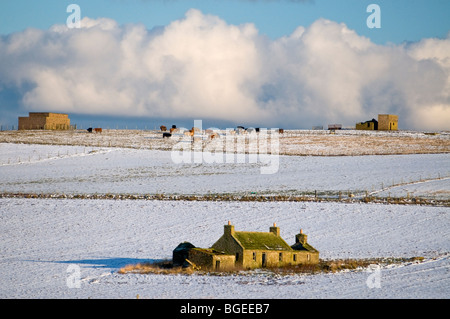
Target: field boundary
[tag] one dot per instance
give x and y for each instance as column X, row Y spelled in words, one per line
column 237, row 198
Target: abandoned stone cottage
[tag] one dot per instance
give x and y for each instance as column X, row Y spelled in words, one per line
column 248, row 250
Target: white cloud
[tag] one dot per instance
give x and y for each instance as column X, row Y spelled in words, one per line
column 202, row 67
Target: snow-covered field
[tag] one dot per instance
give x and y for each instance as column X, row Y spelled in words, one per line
column 42, row 240
column 292, row 142
column 48, row 244
column 87, row 170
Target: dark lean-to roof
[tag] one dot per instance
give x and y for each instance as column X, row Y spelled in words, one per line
column 261, row 241
column 305, row 246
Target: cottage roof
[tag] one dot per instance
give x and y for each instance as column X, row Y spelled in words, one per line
column 209, row 251
column 261, row 241
column 183, row 247
column 303, row 246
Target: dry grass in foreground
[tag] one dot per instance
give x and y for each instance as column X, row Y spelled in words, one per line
column 166, row 267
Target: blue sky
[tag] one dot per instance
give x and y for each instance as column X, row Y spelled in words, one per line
column 402, row 20
column 261, row 63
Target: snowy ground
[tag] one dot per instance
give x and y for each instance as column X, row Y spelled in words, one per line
column 73, row 169
column 42, row 238
column 44, row 241
column 292, row 142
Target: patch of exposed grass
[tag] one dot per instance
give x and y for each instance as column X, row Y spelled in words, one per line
column 166, row 267
column 337, row 265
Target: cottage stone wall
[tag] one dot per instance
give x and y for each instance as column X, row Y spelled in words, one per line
column 228, row 244
column 254, row 259
column 209, row 259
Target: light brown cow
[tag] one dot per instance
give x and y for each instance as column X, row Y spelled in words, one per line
column 98, row 130
column 163, row 128
column 214, row 135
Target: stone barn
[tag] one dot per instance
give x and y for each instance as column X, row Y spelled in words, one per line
column 371, row 125
column 387, row 122
column 44, row 121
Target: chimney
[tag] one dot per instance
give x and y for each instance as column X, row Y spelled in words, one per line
column 274, row 229
column 228, row 229
column 301, row 238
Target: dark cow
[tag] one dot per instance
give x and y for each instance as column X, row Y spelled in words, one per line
column 167, row 135
column 89, row 130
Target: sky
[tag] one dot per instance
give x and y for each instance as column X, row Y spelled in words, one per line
column 261, row 63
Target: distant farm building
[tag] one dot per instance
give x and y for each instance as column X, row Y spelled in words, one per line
column 44, row 121
column 248, row 250
column 334, row 127
column 371, row 125
column 386, row 122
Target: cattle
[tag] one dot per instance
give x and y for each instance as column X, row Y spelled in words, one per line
column 89, row 130
column 189, row 133
column 281, row 131
column 214, row 135
column 98, row 130
column 240, row 130
column 167, row 135
column 163, row 128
